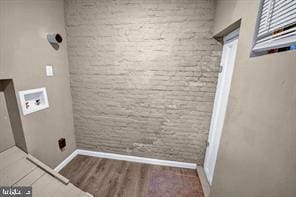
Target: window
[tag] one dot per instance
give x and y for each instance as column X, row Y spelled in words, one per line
column 276, row 26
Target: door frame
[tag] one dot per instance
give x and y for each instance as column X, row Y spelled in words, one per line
column 221, row 101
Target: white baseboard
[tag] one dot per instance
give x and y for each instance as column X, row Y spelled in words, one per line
column 137, row 159
column 66, row 161
column 126, row 158
column 203, row 180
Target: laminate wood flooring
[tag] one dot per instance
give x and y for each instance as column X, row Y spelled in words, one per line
column 114, row 178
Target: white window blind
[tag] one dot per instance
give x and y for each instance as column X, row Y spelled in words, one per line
column 277, row 25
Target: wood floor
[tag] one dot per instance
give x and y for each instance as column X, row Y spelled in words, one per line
column 112, row 178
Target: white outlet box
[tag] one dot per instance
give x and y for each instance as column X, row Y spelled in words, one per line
column 49, row 70
column 33, row 100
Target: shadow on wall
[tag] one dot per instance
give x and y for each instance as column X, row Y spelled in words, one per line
column 7, row 87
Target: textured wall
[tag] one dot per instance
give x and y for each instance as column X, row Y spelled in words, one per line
column 143, row 76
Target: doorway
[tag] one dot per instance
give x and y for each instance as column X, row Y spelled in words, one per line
column 220, row 103
column 10, row 121
column 6, row 134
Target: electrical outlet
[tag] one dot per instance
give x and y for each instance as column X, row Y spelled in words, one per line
column 62, row 144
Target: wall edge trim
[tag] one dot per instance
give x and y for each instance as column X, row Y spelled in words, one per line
column 66, row 161
column 137, row 159
column 125, row 158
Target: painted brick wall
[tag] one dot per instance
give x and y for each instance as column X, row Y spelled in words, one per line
column 143, row 76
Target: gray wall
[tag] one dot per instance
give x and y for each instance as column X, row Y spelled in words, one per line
column 6, row 135
column 257, row 152
column 24, row 52
column 143, row 76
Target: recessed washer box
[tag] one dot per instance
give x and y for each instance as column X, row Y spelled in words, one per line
column 33, row 100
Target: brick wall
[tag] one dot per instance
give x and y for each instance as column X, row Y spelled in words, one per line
column 143, row 76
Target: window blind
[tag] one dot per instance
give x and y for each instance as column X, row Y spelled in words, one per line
column 276, row 25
